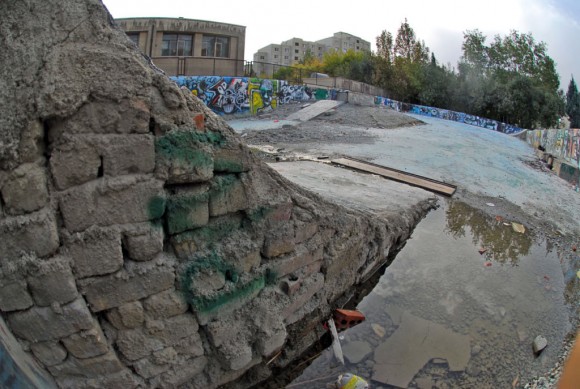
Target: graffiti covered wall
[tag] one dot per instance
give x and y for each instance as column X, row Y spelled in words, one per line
column 561, row 143
column 235, row 95
column 460, row 117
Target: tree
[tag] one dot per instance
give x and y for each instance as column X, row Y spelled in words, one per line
column 573, row 104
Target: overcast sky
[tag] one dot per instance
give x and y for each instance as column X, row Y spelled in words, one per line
column 439, row 23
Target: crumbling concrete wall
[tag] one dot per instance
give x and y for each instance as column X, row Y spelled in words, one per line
column 142, row 243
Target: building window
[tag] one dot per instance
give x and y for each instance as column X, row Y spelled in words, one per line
column 262, row 57
column 319, row 48
column 296, row 44
column 295, row 58
column 177, row 45
column 275, row 56
column 357, row 41
column 286, row 49
column 296, row 51
column 215, row 46
column 275, row 49
column 358, row 48
column 134, row 36
column 285, row 57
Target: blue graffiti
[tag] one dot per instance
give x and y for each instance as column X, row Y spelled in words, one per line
column 460, row 117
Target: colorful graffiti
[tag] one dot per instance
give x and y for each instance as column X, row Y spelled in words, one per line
column 460, row 117
column 234, row 95
column 561, row 143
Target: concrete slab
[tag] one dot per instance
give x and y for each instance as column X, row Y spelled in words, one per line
column 241, row 125
column 314, row 110
column 364, row 192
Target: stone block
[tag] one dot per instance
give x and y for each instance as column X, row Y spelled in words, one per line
column 102, row 365
column 87, row 344
column 127, row 154
column 183, row 373
column 165, row 304
column 131, row 314
column 280, row 213
column 272, row 340
column 109, row 201
column 115, row 290
column 279, row 241
column 145, row 243
column 36, row 233
column 40, row 324
column 309, row 289
column 140, row 342
column 31, row 148
column 231, row 160
column 74, row 163
column 191, row 346
column 300, row 259
column 49, row 353
column 146, row 368
column 250, row 261
column 188, row 209
column 53, row 283
column 124, row 379
column 305, row 231
column 236, row 354
column 95, row 252
column 25, row 190
column 14, row 296
column 227, row 195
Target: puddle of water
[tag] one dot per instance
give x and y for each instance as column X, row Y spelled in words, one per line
column 441, row 316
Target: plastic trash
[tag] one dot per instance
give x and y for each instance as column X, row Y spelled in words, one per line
column 351, row 381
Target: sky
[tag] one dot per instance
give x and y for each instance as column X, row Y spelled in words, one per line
column 439, row 23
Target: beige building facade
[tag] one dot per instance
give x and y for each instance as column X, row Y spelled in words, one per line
column 189, row 47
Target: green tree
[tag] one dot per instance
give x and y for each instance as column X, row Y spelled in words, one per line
column 573, row 104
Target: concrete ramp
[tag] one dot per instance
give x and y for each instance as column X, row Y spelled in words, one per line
column 314, row 110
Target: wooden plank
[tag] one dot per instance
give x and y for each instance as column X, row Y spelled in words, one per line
column 398, row 175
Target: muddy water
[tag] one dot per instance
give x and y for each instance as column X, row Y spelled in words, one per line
column 444, row 315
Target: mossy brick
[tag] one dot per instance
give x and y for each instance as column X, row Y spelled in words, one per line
column 187, row 211
column 110, row 201
column 232, row 160
column 127, row 154
column 49, row 353
column 43, row 323
column 36, row 233
column 81, row 154
column 53, row 283
column 25, row 190
column 14, row 295
column 102, row 365
column 187, row 156
column 141, row 342
column 113, row 291
column 227, row 195
column 87, row 344
column 95, row 252
column 143, row 244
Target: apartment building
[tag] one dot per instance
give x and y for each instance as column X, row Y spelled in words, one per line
column 189, row 47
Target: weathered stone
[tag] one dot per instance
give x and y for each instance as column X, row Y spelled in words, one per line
column 191, row 346
column 140, row 342
column 25, row 190
column 272, row 340
column 145, row 243
column 305, row 231
column 108, row 201
column 165, row 304
column 280, row 213
column 49, row 353
column 87, row 344
column 91, row 367
column 183, row 372
column 188, row 209
column 131, row 314
column 14, row 296
column 95, row 252
column 250, row 261
column 146, row 368
column 36, row 234
column 302, row 258
column 228, row 195
column 40, row 324
column 115, row 290
column 32, row 146
column 310, row 287
column 53, row 283
column 279, row 241
column 124, row 379
column 123, row 154
column 539, row 344
column 237, row 354
column 74, row 163
column 228, row 160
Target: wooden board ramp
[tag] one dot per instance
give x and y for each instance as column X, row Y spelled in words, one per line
column 398, row 175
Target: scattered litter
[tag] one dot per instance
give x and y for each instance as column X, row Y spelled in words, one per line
column 515, row 382
column 350, row 381
column 490, row 204
column 539, row 344
column 578, row 273
column 323, row 157
column 276, row 121
column 574, row 248
column 335, row 342
column 547, row 278
column 487, row 264
column 380, row 330
column 499, row 218
column 346, row 318
column 518, row 227
column 506, row 224
column 482, row 250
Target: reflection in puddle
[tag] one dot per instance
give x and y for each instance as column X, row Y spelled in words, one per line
column 438, row 317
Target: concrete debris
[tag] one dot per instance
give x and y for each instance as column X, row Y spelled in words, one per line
column 539, row 344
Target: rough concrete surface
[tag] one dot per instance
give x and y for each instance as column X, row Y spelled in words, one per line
column 143, row 243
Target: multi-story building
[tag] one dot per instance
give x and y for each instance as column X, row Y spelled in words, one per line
column 189, row 47
column 270, row 58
